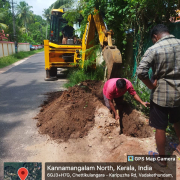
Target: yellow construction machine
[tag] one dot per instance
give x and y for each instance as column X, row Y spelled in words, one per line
column 61, row 50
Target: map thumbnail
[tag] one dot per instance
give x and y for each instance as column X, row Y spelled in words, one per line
column 11, row 169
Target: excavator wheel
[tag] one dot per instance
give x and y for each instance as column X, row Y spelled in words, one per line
column 113, row 60
column 51, row 75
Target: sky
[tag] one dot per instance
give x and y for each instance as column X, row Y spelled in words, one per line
column 37, row 5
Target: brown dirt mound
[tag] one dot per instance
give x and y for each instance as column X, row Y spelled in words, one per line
column 70, row 114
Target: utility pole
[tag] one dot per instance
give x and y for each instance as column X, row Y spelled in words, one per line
column 14, row 27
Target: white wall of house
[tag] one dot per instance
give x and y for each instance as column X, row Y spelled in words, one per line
column 23, row 47
column 8, row 48
column 1, row 50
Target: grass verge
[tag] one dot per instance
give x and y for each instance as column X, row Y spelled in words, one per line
column 8, row 60
column 90, row 70
column 77, row 75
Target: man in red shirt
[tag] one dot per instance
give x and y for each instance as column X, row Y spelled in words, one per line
column 114, row 89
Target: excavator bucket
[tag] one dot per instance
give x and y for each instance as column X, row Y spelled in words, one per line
column 113, row 60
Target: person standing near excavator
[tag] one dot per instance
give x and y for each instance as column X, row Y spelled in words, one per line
column 114, row 89
column 164, row 59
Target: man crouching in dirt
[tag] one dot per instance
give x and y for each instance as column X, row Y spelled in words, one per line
column 164, row 59
column 114, row 89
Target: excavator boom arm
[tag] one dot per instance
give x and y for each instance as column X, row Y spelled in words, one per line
column 111, row 54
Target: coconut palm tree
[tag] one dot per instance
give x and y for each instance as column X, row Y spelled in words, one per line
column 59, row 4
column 24, row 13
column 62, row 4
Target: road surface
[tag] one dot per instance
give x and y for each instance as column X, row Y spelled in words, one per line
column 22, row 90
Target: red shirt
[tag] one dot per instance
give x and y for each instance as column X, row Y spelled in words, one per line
column 110, row 90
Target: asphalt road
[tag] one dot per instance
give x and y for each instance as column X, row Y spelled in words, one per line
column 22, row 90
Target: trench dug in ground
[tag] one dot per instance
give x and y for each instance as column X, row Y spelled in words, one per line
column 71, row 114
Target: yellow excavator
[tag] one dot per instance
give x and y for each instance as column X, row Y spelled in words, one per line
column 63, row 48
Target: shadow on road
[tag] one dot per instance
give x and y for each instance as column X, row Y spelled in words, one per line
column 26, row 67
column 62, row 73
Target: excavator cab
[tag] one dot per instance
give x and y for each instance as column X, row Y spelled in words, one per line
column 60, row 29
column 56, row 26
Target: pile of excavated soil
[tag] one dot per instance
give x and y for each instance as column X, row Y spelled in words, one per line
column 70, row 114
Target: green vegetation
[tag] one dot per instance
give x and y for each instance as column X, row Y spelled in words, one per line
column 29, row 27
column 128, row 18
column 78, row 75
column 143, row 93
column 170, row 129
column 88, row 72
column 24, row 13
column 8, row 60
